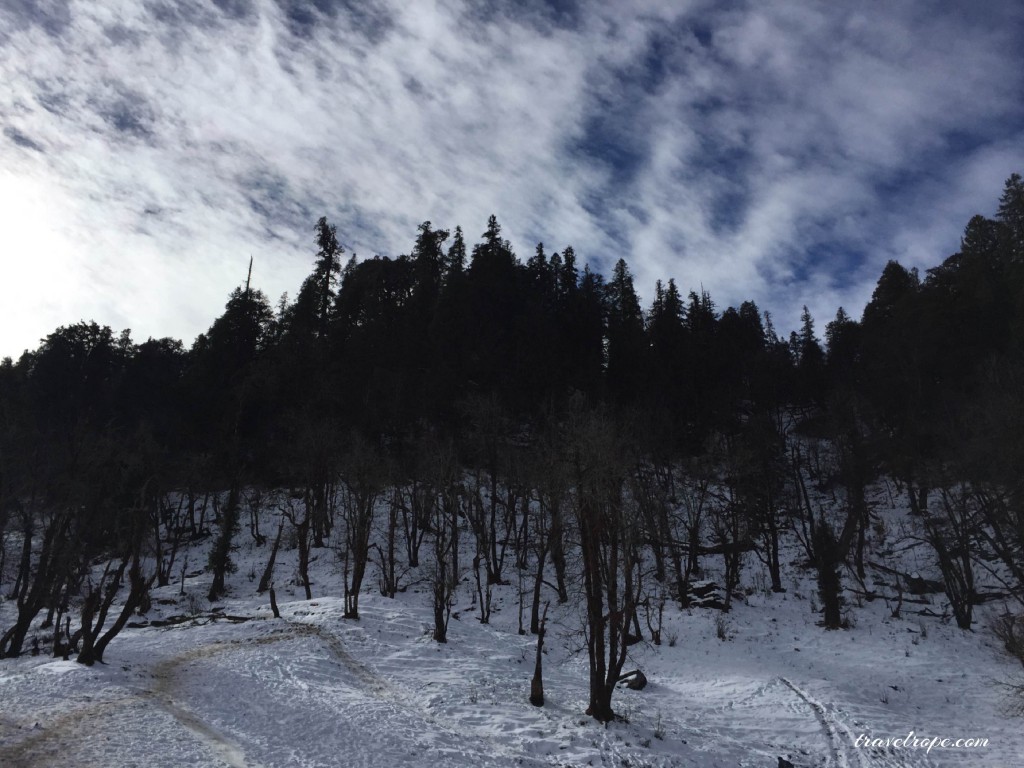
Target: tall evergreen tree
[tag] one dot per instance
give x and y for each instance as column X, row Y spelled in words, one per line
column 842, row 341
column 317, row 295
column 1011, row 213
column 667, row 340
column 455, row 261
column 496, row 305
column 704, row 394
column 741, row 340
column 429, row 259
column 625, row 360
column 566, row 273
column 810, row 359
column 450, row 330
column 493, row 259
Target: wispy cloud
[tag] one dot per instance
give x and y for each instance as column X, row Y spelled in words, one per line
column 779, row 152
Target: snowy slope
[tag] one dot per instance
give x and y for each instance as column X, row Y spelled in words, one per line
column 312, row 689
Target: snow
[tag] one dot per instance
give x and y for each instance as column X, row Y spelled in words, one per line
column 313, row 689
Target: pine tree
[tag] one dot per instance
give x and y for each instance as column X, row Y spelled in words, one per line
column 842, row 342
column 325, row 273
column 493, row 259
column 625, row 361
column 1011, row 213
column 429, row 258
column 895, row 287
column 981, row 240
column 539, row 270
column 810, row 359
column 455, row 261
column 567, row 275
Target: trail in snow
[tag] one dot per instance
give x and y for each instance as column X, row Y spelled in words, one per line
column 75, row 727
column 842, row 742
column 383, row 690
column 162, row 695
column 43, row 745
column 227, row 751
column 839, row 752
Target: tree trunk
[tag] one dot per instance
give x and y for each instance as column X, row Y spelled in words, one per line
column 537, row 683
column 827, row 557
column 139, row 588
column 220, row 557
column 268, row 572
column 273, row 603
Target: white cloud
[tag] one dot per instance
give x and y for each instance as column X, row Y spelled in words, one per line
column 150, row 149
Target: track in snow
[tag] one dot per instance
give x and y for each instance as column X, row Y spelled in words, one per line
column 78, row 726
column 381, row 689
column 839, row 751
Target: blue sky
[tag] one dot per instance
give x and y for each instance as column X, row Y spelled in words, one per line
column 780, row 152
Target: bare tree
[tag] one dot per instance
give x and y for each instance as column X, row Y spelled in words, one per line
column 730, row 519
column 758, row 480
column 363, row 480
column 1000, row 529
column 444, row 521
column 608, row 527
column 302, row 525
column 490, row 520
column 415, row 504
column 38, row 576
column 695, row 496
column 268, row 573
column 388, row 554
column 549, row 476
column 951, row 532
column 220, row 556
column 101, row 597
column 254, row 504
column 169, row 530
column 650, row 485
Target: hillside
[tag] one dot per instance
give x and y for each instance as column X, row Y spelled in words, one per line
column 231, row 685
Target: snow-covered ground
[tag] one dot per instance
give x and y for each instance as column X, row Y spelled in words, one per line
column 312, row 689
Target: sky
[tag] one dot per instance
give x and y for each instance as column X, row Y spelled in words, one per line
column 777, row 152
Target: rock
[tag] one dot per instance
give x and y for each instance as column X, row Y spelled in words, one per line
column 638, row 681
column 916, row 585
column 706, row 594
column 635, row 680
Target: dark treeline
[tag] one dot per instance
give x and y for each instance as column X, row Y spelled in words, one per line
column 538, row 376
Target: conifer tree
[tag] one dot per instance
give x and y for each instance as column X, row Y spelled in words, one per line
column 842, row 339
column 810, row 359
column 311, row 314
column 455, row 261
column 625, row 360
column 1011, row 214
